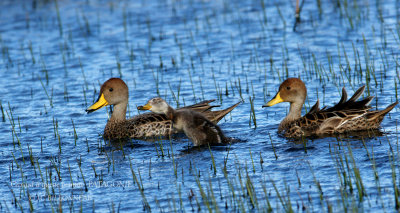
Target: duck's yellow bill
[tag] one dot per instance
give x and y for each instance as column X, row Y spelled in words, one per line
column 145, row 107
column 99, row 104
column 276, row 100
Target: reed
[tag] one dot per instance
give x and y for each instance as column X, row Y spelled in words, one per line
column 31, row 52
column 60, row 28
column 83, row 177
column 273, row 147
column 252, row 112
column 50, row 98
column 173, row 159
column 2, row 112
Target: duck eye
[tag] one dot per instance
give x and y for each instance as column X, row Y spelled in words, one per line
column 288, row 88
column 111, row 89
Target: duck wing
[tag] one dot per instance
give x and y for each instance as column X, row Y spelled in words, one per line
column 346, row 115
column 205, row 108
column 149, row 125
column 216, row 116
column 327, row 119
column 201, row 106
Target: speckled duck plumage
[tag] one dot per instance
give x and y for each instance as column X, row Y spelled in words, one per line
column 346, row 116
column 115, row 92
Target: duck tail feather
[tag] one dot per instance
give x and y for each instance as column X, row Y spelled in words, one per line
column 201, row 106
column 352, row 102
column 382, row 113
column 343, row 99
column 314, row 108
column 364, row 103
column 216, row 116
column 357, row 94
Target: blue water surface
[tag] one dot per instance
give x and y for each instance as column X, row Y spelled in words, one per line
column 56, row 54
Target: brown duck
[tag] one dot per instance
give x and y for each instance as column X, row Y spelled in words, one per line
column 346, row 116
column 115, row 92
column 194, row 124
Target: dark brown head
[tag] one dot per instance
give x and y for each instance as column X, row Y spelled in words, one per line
column 291, row 90
column 114, row 91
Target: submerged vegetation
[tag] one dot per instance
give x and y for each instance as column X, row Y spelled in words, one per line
column 54, row 55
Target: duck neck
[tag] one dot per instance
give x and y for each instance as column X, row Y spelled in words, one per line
column 295, row 110
column 170, row 113
column 119, row 112
column 294, row 113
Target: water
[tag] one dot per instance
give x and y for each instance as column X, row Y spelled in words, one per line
column 53, row 64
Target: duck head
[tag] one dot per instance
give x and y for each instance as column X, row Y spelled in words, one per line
column 113, row 92
column 291, row 90
column 156, row 105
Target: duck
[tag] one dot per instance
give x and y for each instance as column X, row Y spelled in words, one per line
column 199, row 129
column 115, row 92
column 345, row 117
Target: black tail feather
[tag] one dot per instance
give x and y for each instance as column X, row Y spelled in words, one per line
column 352, row 103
